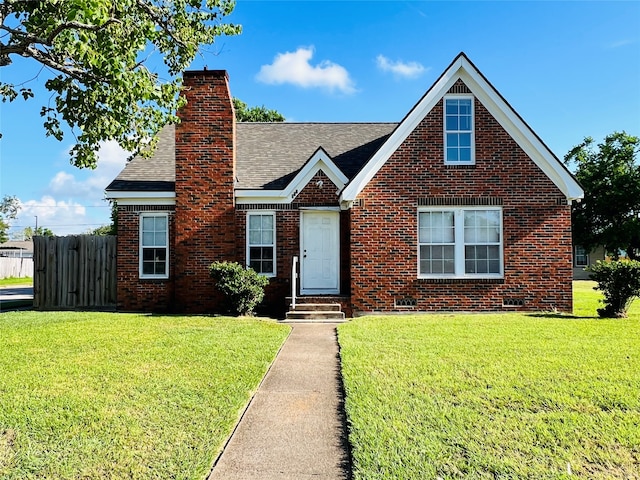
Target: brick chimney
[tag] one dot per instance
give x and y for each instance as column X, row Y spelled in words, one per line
column 205, row 173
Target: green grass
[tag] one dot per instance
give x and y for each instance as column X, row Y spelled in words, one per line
column 11, row 281
column 100, row 395
column 494, row 396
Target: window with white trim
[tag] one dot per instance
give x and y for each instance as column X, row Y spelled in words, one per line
column 458, row 130
column 261, row 242
column 581, row 256
column 154, row 245
column 460, row 242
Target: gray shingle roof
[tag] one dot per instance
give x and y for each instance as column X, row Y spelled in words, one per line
column 268, row 155
column 154, row 174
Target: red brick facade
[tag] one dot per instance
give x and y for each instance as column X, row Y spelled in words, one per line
column 135, row 294
column 536, row 226
column 378, row 233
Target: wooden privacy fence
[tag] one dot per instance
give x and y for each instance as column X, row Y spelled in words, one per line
column 78, row 271
column 16, row 267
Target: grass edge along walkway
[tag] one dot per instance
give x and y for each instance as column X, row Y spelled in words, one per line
column 103, row 395
column 494, row 396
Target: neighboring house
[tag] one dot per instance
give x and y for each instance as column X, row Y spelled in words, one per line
column 460, row 206
column 14, row 248
column 16, row 259
column 582, row 259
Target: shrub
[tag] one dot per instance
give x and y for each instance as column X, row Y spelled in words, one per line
column 243, row 288
column 619, row 281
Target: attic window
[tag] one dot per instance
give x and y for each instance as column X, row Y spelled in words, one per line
column 459, row 148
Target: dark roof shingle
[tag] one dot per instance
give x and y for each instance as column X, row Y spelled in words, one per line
column 268, row 155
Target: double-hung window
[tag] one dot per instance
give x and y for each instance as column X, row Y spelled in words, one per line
column 581, row 256
column 460, row 242
column 154, row 245
column 261, row 242
column 458, row 130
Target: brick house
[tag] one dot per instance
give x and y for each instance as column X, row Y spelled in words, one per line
column 458, row 207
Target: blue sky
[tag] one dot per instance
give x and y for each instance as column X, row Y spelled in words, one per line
column 570, row 69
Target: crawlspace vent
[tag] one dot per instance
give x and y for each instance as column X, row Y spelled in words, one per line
column 406, row 302
column 513, row 302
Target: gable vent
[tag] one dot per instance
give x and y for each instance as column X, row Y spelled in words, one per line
column 459, row 87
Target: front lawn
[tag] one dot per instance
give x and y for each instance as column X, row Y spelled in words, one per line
column 102, row 395
column 494, row 396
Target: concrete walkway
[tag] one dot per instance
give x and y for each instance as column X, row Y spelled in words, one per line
column 294, row 427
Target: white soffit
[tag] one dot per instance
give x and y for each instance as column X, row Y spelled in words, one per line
column 142, row 198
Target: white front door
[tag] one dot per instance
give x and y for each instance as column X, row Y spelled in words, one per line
column 320, row 252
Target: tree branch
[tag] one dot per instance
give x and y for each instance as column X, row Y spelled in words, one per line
column 21, row 41
column 78, row 26
column 160, row 20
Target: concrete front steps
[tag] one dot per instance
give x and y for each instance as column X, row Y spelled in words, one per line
column 316, row 312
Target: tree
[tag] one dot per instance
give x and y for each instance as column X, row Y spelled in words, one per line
column 28, row 233
column 102, row 230
column 99, row 51
column 255, row 114
column 609, row 214
column 9, row 208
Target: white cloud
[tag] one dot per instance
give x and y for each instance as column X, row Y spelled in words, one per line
column 295, row 68
column 73, row 202
column 90, row 184
column 400, row 68
column 61, row 217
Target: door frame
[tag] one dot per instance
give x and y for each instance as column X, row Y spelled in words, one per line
column 336, row 214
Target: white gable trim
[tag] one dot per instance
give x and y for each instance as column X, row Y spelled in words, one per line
column 462, row 68
column 318, row 161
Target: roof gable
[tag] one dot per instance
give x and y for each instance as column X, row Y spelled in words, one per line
column 270, row 155
column 319, row 161
column 462, row 69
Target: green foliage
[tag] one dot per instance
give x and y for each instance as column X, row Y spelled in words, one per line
column 102, row 89
column 609, row 214
column 89, row 395
column 103, row 230
column 243, row 288
column 9, row 208
column 619, row 282
column 28, row 233
column 255, row 114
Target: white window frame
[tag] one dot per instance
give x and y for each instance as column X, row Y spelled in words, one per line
column 472, row 160
column 459, row 243
column 248, row 245
column 141, row 273
column 576, row 254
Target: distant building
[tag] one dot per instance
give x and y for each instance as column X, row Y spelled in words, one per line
column 583, row 259
column 17, row 249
